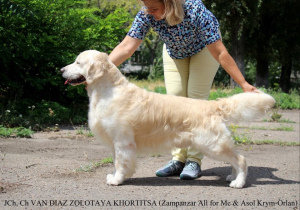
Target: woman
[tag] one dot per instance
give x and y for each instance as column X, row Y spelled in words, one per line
column 192, row 53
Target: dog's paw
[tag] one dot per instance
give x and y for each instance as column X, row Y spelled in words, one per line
column 109, row 177
column 111, row 180
column 237, row 184
column 230, row 178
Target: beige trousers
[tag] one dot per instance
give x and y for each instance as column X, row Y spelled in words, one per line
column 190, row 77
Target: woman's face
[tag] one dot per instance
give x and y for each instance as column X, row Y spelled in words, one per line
column 155, row 8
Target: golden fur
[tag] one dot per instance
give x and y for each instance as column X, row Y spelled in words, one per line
column 129, row 119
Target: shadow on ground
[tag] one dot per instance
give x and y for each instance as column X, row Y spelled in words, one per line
column 256, row 176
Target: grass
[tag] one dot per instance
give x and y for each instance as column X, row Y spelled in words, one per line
column 92, row 166
column 84, row 131
column 283, row 128
column 149, row 85
column 275, row 142
column 245, row 138
column 279, row 128
column 285, row 121
column 277, row 117
column 15, row 132
column 279, row 120
column 258, row 128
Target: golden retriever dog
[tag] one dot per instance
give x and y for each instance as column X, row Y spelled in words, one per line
column 130, row 119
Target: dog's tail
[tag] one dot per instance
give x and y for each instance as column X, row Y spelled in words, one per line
column 245, row 106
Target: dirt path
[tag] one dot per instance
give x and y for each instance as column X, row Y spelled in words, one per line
column 47, row 172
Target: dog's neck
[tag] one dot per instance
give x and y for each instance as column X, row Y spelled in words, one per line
column 111, row 78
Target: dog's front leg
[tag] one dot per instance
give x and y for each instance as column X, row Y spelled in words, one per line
column 124, row 161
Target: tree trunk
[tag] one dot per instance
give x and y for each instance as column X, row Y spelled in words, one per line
column 262, row 69
column 237, row 44
column 285, row 77
column 237, row 53
column 263, row 36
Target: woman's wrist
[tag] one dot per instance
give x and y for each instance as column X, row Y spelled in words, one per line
column 247, row 87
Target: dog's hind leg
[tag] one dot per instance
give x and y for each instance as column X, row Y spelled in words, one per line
column 232, row 176
column 124, row 161
column 239, row 170
column 221, row 147
column 238, row 163
column 227, row 153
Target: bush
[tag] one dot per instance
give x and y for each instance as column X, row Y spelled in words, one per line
column 42, row 114
column 221, row 93
column 286, row 101
column 157, row 72
column 161, row 90
column 39, row 37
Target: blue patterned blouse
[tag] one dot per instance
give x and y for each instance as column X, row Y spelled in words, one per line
column 198, row 29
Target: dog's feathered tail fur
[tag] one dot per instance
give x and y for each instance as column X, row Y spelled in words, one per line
column 245, row 106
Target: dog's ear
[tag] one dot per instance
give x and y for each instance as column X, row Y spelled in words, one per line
column 99, row 66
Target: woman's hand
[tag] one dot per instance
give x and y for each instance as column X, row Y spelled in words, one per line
column 248, row 88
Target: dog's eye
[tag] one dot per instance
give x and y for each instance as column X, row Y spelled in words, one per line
column 78, row 62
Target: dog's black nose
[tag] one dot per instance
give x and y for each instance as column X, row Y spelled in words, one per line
column 62, row 70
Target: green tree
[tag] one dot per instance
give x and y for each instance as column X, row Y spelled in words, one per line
column 38, row 38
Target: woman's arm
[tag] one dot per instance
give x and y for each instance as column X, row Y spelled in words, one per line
column 219, row 52
column 124, row 50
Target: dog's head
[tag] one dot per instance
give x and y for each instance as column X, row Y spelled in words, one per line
column 88, row 67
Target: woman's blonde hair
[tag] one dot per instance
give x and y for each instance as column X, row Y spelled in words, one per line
column 174, row 12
